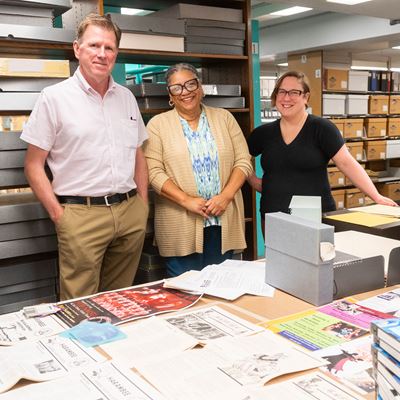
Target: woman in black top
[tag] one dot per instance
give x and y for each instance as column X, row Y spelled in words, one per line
column 295, row 151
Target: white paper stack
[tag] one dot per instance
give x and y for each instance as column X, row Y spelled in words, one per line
column 228, row 280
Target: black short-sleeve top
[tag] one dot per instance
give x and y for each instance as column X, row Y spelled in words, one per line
column 297, row 168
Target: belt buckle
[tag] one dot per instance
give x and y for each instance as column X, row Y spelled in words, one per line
column 106, row 200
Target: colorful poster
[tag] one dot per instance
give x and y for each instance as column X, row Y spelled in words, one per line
column 347, row 310
column 124, row 305
column 314, row 330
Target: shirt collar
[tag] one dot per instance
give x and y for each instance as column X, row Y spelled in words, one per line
column 86, row 86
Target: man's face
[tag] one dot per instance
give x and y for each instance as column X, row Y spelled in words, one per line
column 96, row 52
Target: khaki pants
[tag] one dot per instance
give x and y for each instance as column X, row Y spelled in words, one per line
column 100, row 246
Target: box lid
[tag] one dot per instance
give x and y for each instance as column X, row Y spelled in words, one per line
column 337, row 192
column 358, row 73
column 334, row 96
column 357, row 97
column 378, row 97
column 375, row 120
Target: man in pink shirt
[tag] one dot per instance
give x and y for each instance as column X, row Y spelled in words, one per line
column 89, row 130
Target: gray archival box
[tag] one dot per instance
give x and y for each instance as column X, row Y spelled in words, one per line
column 294, row 265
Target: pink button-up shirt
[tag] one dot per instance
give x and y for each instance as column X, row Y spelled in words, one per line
column 91, row 140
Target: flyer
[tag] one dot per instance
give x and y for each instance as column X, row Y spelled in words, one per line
column 122, row 305
column 314, row 330
column 347, row 310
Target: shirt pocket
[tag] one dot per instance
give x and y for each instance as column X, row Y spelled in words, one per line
column 128, row 133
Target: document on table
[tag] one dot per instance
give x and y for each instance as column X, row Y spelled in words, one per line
column 225, row 367
column 148, row 341
column 16, row 328
column 351, row 363
column 43, row 360
column 388, row 302
column 379, row 209
column 364, row 219
column 106, row 381
column 228, row 280
column 211, row 323
column 313, row 386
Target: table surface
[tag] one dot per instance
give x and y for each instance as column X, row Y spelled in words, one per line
column 260, row 309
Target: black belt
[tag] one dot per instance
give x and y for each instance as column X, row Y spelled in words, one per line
column 107, row 200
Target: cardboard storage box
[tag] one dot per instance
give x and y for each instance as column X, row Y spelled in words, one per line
column 375, row 127
column 358, row 80
column 13, row 122
column 390, row 189
column 375, row 150
column 335, row 79
column 25, row 67
column 338, row 196
column 339, row 123
column 336, row 177
column 353, row 128
column 356, row 149
column 393, row 148
column 394, row 104
column 354, row 198
column 333, row 104
column 356, row 104
column 378, row 104
column 393, row 127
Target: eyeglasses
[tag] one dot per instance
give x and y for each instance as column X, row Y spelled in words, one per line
column 293, row 93
column 191, row 85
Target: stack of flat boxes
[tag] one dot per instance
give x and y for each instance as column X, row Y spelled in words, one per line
column 212, row 30
column 33, row 19
column 154, row 96
column 150, row 32
column 28, row 244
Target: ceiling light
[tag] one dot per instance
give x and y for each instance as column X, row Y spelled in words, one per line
column 396, row 47
column 348, row 2
column 284, row 64
column 395, row 69
column 131, row 11
column 291, row 11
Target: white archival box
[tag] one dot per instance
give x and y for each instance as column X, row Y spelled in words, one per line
column 307, row 207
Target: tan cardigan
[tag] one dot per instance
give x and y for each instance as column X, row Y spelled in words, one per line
column 179, row 232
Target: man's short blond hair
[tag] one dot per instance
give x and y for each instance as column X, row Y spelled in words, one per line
column 101, row 21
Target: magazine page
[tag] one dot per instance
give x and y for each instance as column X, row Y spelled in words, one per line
column 16, row 328
column 351, row 363
column 313, row 386
column 314, row 330
column 43, row 360
column 148, row 341
column 195, row 376
column 348, row 310
column 388, row 302
column 123, row 305
column 210, row 323
column 106, row 381
column 255, row 360
column 226, row 366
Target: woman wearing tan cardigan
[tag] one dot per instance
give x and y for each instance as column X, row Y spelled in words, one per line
column 198, row 160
